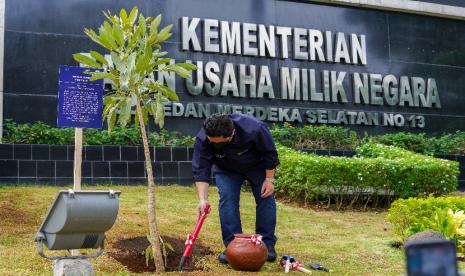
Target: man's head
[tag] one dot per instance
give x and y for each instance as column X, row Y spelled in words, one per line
column 219, row 128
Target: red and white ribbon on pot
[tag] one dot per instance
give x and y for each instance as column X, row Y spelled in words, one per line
column 256, row 239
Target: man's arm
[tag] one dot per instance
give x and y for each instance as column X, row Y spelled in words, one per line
column 201, row 168
column 270, row 173
column 202, row 190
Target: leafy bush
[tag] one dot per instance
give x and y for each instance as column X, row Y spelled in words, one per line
column 451, row 224
column 41, row 133
column 307, row 137
column 315, row 137
column 378, row 171
column 409, row 141
column 407, row 214
column 371, row 150
column 450, row 143
column 36, row 133
column 170, row 138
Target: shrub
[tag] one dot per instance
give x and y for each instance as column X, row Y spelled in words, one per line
column 452, row 143
column 315, row 137
column 36, row 133
column 41, row 133
column 449, row 143
column 170, row 138
column 419, row 212
column 409, row 141
column 383, row 171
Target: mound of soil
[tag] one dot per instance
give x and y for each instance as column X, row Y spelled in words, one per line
column 131, row 253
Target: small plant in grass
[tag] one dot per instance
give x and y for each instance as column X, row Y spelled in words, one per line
column 451, row 224
column 412, row 215
column 149, row 252
column 134, row 44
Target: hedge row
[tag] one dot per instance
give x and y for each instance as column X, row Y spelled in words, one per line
column 377, row 172
column 340, row 138
column 315, row 137
column 451, row 143
column 40, row 133
column 405, row 213
column 307, row 137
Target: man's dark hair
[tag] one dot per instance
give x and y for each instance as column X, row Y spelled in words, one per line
column 218, row 125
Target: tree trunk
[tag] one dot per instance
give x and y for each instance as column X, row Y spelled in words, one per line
column 154, row 236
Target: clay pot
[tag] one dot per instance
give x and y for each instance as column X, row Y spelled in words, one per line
column 245, row 254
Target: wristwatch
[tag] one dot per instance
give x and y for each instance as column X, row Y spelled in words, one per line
column 272, row 180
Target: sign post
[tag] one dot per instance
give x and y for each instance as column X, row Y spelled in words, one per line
column 80, row 106
column 77, row 158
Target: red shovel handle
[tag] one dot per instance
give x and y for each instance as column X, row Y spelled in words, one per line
column 191, row 238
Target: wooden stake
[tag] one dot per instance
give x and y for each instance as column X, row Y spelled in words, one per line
column 77, row 167
column 77, row 158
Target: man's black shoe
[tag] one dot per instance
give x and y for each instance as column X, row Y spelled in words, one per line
column 222, row 258
column 271, row 254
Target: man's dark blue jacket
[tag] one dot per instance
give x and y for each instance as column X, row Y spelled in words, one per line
column 251, row 150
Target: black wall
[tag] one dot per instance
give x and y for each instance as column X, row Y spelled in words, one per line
column 41, row 35
column 53, row 164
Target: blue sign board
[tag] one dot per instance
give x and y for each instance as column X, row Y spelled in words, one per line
column 79, row 99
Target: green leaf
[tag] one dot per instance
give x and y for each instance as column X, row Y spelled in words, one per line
column 166, row 30
column 108, row 102
column 131, row 62
column 124, row 16
column 148, row 255
column 160, row 114
column 118, row 35
column 106, row 38
column 119, row 64
column 160, row 61
column 97, row 56
column 92, row 35
column 165, row 33
column 133, row 15
column 87, row 61
column 125, row 114
column 96, row 75
column 106, row 31
column 155, row 24
column 142, row 63
column 152, row 108
column 187, row 66
column 113, row 18
column 142, row 25
column 158, row 54
column 176, row 69
column 169, row 246
column 111, row 118
column 167, row 92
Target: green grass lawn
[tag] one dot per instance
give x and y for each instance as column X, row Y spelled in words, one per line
column 352, row 243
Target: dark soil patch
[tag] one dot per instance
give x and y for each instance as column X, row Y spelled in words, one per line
column 131, row 253
column 12, row 214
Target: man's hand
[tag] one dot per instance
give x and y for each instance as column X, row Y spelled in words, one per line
column 202, row 189
column 201, row 208
column 267, row 189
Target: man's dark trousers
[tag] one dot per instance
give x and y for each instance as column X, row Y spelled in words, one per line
column 229, row 187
